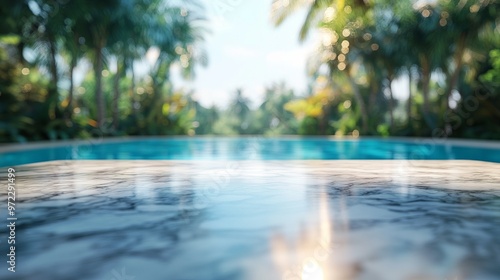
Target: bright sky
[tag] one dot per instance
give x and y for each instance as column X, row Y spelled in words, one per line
column 246, row 51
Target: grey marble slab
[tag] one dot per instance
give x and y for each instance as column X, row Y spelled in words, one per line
column 255, row 220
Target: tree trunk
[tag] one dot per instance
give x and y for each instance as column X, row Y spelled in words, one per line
column 323, row 123
column 425, row 84
column 74, row 53
column 98, row 87
column 374, row 90
column 360, row 101
column 426, row 79
column 52, row 99
column 391, row 105
column 409, row 104
column 20, row 53
column 453, row 77
column 53, row 64
column 116, row 94
column 69, row 107
column 132, row 90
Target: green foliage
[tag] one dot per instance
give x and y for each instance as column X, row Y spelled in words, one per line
column 383, row 130
column 62, row 35
column 492, row 77
column 270, row 118
column 449, row 52
column 366, row 45
column 25, row 111
column 309, row 126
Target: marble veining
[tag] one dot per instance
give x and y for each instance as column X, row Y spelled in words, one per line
column 257, row 220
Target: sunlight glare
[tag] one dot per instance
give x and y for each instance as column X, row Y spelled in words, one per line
column 312, row 271
column 329, row 14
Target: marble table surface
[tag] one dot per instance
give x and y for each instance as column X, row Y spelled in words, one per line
column 119, row 220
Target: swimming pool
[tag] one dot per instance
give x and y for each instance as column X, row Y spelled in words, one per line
column 253, row 148
column 255, row 208
column 262, row 220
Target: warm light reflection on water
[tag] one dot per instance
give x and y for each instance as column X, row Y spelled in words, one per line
column 312, row 271
column 288, row 220
column 310, row 255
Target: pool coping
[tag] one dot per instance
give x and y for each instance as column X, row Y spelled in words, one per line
column 443, row 174
column 13, row 147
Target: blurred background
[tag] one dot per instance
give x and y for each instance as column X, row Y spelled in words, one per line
column 80, row 69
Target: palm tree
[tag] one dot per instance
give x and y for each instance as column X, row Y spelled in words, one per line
column 391, row 55
column 17, row 19
column 335, row 17
column 101, row 21
column 46, row 45
column 464, row 23
column 240, row 109
column 74, row 42
column 177, row 32
column 282, row 9
column 273, row 110
column 126, row 43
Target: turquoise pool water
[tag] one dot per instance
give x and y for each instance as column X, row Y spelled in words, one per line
column 268, row 216
column 251, row 148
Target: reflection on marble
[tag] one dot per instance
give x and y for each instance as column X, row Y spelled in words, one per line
column 256, row 220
